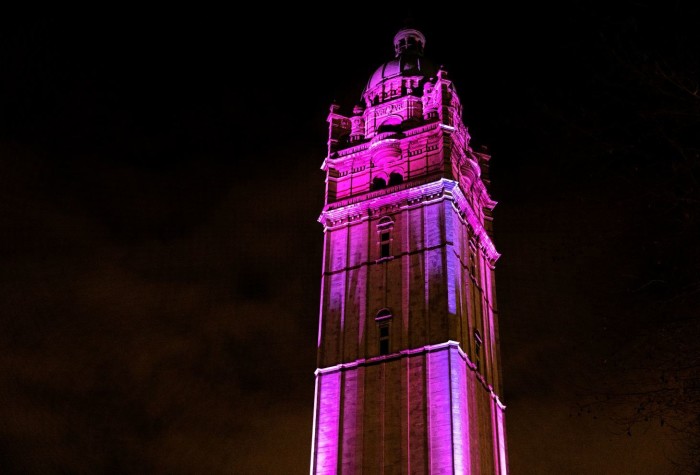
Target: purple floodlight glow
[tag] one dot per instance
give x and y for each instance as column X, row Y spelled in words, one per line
column 408, row 364
column 444, row 403
column 328, row 393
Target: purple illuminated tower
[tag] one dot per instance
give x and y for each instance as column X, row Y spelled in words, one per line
column 408, row 377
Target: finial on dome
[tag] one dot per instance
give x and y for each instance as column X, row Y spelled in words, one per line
column 409, row 39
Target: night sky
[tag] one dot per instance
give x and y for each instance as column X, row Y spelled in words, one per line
column 161, row 258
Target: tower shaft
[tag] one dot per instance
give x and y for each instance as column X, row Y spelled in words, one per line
column 408, row 377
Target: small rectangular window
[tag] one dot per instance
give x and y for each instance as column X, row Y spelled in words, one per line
column 384, row 347
column 384, row 340
column 385, row 237
column 385, row 250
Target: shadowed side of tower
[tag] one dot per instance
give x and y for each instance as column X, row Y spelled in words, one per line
column 408, row 377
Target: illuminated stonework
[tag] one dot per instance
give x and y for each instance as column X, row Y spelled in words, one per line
column 408, row 371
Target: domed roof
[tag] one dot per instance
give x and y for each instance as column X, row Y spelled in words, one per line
column 409, row 61
column 406, row 66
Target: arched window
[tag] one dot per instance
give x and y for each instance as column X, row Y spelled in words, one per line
column 377, row 183
column 383, row 314
column 395, row 178
column 391, row 123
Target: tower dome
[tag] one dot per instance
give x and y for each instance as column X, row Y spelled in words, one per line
column 409, row 44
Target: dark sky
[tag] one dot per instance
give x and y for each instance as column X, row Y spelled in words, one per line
column 159, row 190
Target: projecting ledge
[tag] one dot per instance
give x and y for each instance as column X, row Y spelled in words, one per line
column 450, row 344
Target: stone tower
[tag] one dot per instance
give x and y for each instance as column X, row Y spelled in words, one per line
column 408, row 377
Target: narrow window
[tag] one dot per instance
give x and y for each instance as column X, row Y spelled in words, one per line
column 384, row 340
column 383, row 320
column 384, row 227
column 385, row 244
column 477, row 349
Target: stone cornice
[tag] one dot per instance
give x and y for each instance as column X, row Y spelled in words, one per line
column 475, row 223
column 416, row 351
column 406, row 195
